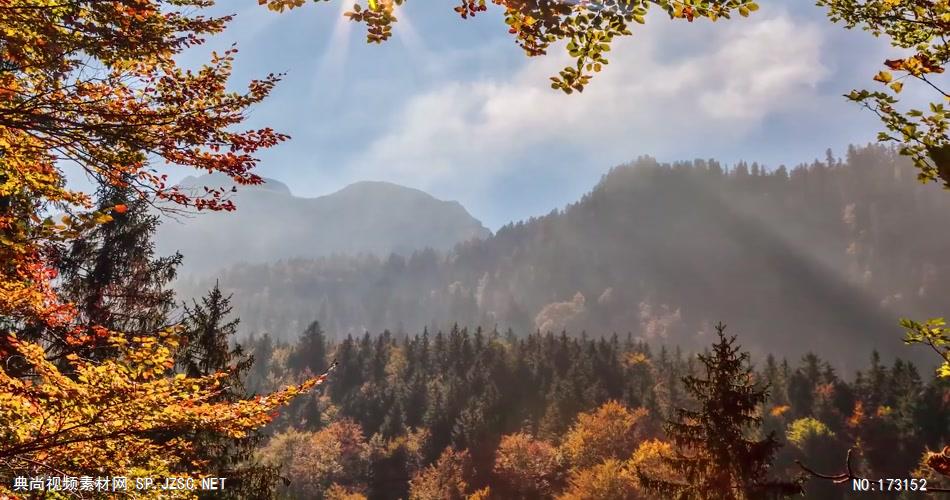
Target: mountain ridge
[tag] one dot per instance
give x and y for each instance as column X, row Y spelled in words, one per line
column 271, row 223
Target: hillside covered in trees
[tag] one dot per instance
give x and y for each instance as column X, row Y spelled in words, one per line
column 819, row 257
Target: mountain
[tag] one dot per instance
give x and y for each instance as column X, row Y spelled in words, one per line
column 825, row 257
column 271, row 224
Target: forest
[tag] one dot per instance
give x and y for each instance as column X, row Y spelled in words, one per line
column 445, row 415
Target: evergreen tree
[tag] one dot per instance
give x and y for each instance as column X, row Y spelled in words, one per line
column 112, row 275
column 207, row 343
column 715, row 456
column 262, row 350
column 207, row 348
column 311, row 351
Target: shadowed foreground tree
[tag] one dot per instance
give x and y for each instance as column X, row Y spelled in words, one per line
column 714, row 456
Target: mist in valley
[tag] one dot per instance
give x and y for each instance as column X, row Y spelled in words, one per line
column 818, row 257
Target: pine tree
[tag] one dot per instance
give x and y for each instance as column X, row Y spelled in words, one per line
column 207, row 348
column 714, row 454
column 310, row 353
column 262, row 349
column 112, row 274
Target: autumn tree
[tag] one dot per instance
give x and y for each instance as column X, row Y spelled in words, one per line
column 100, row 418
column 610, row 431
column 811, row 438
column 608, row 480
column 650, row 457
column 919, row 27
column 449, row 478
column 96, row 85
column 935, row 464
column 526, row 466
column 714, row 455
column 335, row 456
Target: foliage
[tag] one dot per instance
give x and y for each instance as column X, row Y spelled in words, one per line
column 96, row 418
column 932, row 334
column 607, row 480
column 337, row 492
column 921, row 27
column 935, row 466
column 588, row 28
column 713, row 456
column 527, row 466
column 337, row 456
column 446, row 479
column 96, row 84
column 424, row 382
column 86, row 386
column 611, row 431
column 804, row 430
column 649, row 457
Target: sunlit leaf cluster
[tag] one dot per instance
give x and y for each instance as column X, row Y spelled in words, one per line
column 81, row 417
column 934, row 334
column 919, row 28
column 588, row 28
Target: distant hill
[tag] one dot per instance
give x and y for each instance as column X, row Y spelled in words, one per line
column 271, row 223
column 823, row 257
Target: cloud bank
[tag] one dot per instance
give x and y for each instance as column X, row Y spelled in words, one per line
column 669, row 85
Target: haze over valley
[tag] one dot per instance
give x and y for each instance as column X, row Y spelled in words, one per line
column 796, row 260
column 365, row 217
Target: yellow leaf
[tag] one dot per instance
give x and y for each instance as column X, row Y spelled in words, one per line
column 897, row 87
column 883, row 77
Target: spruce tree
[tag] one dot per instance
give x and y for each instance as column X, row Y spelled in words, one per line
column 310, row 353
column 112, row 274
column 715, row 455
column 208, row 348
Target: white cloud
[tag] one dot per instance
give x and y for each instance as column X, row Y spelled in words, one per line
column 665, row 86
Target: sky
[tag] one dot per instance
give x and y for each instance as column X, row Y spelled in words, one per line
column 454, row 107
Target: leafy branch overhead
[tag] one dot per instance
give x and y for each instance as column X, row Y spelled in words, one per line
column 920, row 27
column 588, row 27
column 933, row 334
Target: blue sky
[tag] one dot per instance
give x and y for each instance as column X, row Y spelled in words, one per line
column 454, row 108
